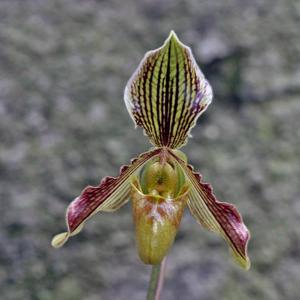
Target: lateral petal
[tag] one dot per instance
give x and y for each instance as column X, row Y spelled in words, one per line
column 220, row 217
column 109, row 195
column 167, row 93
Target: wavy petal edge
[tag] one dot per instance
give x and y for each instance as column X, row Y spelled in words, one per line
column 220, row 217
column 109, row 195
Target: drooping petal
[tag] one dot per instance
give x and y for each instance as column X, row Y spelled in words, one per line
column 167, row 93
column 109, row 195
column 220, row 217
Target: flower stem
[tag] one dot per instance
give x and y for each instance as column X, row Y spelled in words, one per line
column 156, row 280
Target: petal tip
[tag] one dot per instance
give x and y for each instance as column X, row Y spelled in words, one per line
column 172, row 36
column 59, row 239
column 243, row 262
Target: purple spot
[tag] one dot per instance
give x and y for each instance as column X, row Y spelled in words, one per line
column 196, row 103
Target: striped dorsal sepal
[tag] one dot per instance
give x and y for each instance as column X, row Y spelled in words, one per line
column 167, row 93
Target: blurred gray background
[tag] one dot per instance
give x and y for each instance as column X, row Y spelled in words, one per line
column 63, row 125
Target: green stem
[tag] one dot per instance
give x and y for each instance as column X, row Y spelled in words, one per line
column 156, row 280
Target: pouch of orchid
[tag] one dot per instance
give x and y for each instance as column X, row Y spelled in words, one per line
column 165, row 96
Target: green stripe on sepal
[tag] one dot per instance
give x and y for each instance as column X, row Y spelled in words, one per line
column 167, row 93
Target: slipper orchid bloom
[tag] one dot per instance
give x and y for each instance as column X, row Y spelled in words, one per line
column 165, row 96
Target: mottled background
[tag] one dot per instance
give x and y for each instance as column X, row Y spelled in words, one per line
column 63, row 125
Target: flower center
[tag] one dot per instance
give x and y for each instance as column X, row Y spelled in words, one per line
column 160, row 179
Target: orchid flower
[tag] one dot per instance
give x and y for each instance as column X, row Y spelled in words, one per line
column 165, row 96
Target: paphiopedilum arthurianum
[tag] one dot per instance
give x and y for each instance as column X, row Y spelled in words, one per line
column 165, row 95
